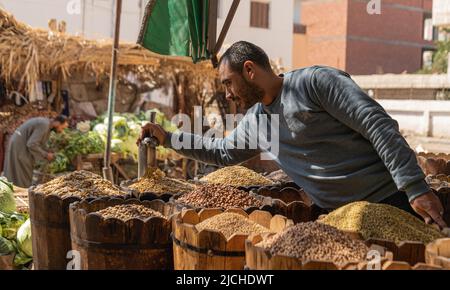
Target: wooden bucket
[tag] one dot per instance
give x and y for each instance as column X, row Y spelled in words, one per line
column 258, row 258
column 210, row 250
column 112, row 244
column 50, row 229
column 438, row 253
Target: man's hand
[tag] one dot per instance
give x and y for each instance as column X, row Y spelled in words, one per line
column 50, row 156
column 155, row 130
column 429, row 207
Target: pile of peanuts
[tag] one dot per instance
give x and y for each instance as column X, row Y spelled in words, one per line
column 219, row 196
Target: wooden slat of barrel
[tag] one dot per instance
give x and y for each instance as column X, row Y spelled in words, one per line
column 112, row 244
column 410, row 252
column 50, row 230
column 438, row 253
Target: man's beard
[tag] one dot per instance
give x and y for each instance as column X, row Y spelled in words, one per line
column 251, row 94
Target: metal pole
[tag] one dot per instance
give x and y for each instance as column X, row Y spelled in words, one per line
column 224, row 31
column 107, row 170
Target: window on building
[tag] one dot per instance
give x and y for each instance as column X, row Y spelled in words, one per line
column 259, row 14
column 427, row 59
column 297, row 11
column 428, row 31
column 219, row 9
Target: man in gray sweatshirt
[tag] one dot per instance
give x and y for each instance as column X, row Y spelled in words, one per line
column 335, row 142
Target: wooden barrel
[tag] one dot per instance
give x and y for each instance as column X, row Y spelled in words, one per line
column 113, row 244
column 407, row 251
column 50, row 230
column 290, row 202
column 438, row 253
column 259, row 258
column 210, row 250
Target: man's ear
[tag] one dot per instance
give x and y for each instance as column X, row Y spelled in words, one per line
column 249, row 70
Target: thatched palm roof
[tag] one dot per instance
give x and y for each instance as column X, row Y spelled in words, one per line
column 28, row 55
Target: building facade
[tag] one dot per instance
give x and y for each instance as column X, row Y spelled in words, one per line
column 351, row 35
column 268, row 24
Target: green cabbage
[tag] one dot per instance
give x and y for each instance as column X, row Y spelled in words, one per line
column 6, row 247
column 117, row 146
column 24, row 242
column 7, row 201
column 120, row 127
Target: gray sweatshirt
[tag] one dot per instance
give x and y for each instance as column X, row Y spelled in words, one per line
column 334, row 141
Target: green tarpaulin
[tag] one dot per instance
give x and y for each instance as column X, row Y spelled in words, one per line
column 176, row 27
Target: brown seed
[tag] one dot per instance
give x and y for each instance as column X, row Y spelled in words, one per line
column 80, row 184
column 219, row 196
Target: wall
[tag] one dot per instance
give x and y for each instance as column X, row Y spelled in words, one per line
column 300, row 51
column 340, row 33
column 441, row 13
column 426, row 118
column 277, row 41
column 325, row 23
column 391, row 42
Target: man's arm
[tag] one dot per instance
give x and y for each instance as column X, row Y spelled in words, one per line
column 220, row 151
column 343, row 99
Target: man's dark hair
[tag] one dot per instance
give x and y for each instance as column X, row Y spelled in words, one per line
column 61, row 119
column 243, row 51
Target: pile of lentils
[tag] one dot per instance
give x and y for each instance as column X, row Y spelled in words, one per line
column 236, row 176
column 315, row 241
column 125, row 212
column 156, row 181
column 219, row 196
column 79, row 184
column 381, row 221
column 231, row 223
